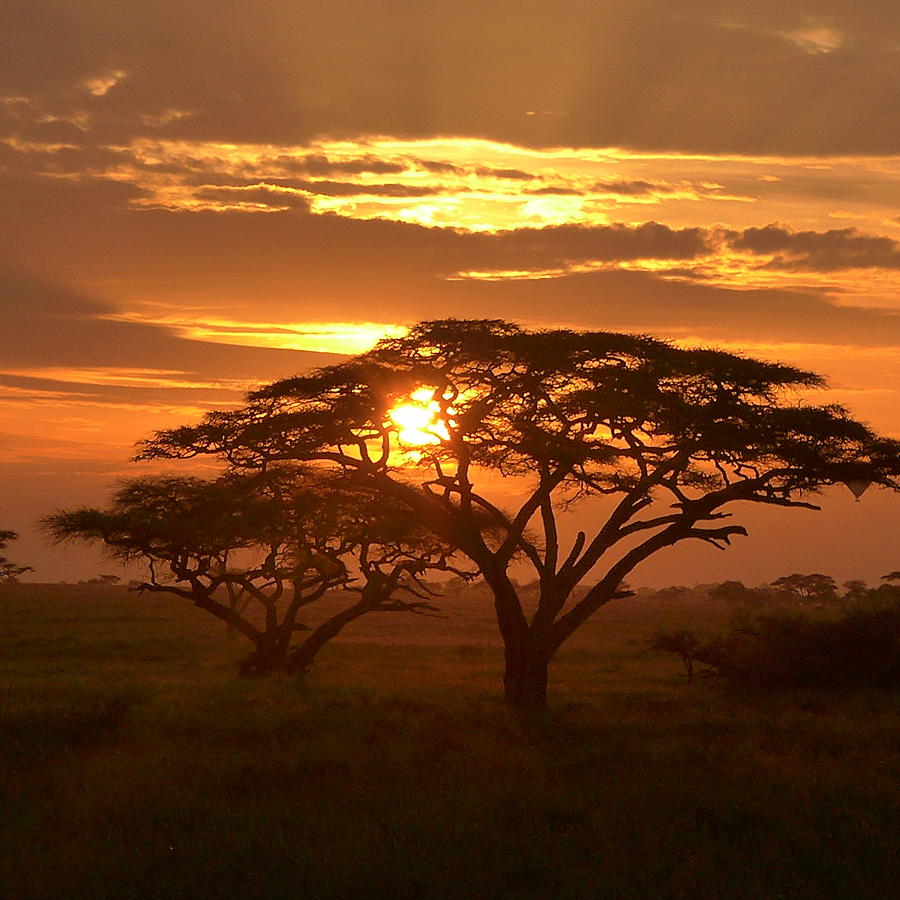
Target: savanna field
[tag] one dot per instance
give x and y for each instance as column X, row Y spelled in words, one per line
column 137, row 765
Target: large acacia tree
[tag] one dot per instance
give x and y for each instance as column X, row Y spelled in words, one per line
column 668, row 436
column 257, row 549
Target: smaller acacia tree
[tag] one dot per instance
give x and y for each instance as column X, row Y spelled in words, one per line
column 256, row 550
column 815, row 589
column 855, row 591
column 9, row 571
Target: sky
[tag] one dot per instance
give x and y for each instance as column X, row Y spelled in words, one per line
column 197, row 199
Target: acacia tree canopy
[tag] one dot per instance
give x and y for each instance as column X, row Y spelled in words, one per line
column 815, row 588
column 670, row 436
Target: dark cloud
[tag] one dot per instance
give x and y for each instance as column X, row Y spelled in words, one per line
column 441, row 168
column 558, row 245
column 269, row 195
column 817, row 251
column 153, row 394
column 513, row 174
column 556, row 191
column 83, row 233
column 631, row 188
column 634, row 301
column 29, row 201
column 294, row 267
column 320, row 165
column 794, row 77
column 345, row 189
column 42, row 324
column 262, row 195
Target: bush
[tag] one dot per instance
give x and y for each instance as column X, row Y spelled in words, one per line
column 785, row 650
column 736, row 593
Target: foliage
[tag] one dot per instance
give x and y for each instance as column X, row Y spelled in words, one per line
column 855, row 591
column 683, row 643
column 668, row 436
column 10, row 571
column 813, row 589
column 859, row 649
column 737, row 593
column 273, row 541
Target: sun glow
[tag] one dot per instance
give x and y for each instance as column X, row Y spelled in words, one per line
column 419, row 421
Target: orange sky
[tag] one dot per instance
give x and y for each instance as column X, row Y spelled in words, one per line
column 194, row 201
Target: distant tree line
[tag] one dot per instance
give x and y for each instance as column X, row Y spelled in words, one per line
column 811, row 591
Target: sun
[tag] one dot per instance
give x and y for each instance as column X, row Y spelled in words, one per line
column 419, row 421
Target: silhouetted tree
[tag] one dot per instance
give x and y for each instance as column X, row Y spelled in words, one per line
column 891, row 576
column 667, row 436
column 816, row 589
column 275, row 540
column 684, row 644
column 736, row 592
column 10, row 571
column 855, row 590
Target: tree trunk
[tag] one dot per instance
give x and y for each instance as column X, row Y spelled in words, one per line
column 526, row 655
column 300, row 658
column 267, row 659
column 525, row 674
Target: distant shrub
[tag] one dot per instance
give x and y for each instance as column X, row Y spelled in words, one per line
column 736, row 593
column 788, row 650
column 684, row 644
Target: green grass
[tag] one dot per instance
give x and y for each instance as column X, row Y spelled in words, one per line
column 136, row 765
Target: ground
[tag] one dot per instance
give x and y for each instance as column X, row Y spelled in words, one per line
column 136, row 765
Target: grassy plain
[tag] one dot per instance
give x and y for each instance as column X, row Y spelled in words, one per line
column 135, row 764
